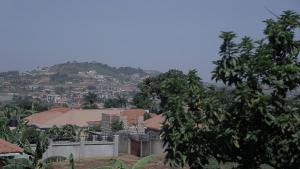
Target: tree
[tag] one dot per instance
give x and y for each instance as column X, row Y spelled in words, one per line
column 141, row 101
column 59, row 90
column 154, row 92
column 259, row 126
column 90, row 97
column 117, row 125
column 90, row 101
column 119, row 102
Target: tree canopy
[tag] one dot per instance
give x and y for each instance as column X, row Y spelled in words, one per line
column 260, row 125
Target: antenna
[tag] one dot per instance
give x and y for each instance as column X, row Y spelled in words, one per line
column 271, row 12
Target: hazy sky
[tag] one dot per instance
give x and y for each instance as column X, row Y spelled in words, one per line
column 152, row 34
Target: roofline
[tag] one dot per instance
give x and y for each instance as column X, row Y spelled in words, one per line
column 9, row 154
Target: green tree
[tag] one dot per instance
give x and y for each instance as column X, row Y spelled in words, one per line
column 117, row 125
column 259, row 126
column 91, row 98
column 90, row 101
column 119, row 102
column 154, row 92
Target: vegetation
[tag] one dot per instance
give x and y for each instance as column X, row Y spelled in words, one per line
column 19, row 163
column 122, row 165
column 147, row 116
column 66, row 132
column 55, row 159
column 71, row 161
column 255, row 128
column 117, row 126
column 90, row 101
column 119, row 102
column 156, row 91
column 70, row 68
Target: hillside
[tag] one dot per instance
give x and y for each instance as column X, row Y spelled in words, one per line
column 102, row 69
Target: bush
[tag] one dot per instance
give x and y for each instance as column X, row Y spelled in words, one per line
column 55, row 159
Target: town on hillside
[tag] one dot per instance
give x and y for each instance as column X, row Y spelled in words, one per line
column 150, row 84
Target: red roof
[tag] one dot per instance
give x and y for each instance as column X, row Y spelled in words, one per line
column 132, row 115
column 7, row 147
column 154, row 122
column 63, row 116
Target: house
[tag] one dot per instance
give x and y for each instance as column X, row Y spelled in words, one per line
column 154, row 124
column 8, row 149
column 132, row 120
column 62, row 116
column 154, row 144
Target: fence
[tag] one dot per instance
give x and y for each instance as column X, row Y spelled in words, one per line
column 103, row 146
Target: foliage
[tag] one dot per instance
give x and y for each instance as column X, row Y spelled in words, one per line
column 119, row 164
column 119, row 102
column 91, row 97
column 147, row 116
column 259, row 125
column 66, row 132
column 41, row 147
column 117, row 125
column 155, row 93
column 19, row 163
column 55, row 159
column 141, row 100
column 60, row 78
column 103, row 69
column 71, row 161
column 89, row 106
column 24, row 102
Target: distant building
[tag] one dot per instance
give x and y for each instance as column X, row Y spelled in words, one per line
column 54, row 98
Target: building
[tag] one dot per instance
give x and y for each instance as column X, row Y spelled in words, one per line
column 132, row 120
column 63, row 116
column 154, row 124
column 8, row 149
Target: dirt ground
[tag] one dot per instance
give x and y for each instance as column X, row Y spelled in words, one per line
column 92, row 163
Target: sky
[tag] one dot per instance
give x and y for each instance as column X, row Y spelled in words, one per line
column 150, row 34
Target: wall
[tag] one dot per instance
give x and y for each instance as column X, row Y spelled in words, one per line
column 83, row 149
column 152, row 147
column 124, row 144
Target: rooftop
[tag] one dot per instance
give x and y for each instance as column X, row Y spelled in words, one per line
column 7, row 147
column 154, row 122
column 63, row 116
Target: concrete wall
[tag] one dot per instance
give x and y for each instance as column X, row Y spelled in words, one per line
column 151, row 147
column 83, row 149
column 124, row 144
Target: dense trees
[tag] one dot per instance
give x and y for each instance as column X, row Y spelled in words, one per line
column 90, row 101
column 260, row 125
column 66, row 132
column 120, row 101
column 156, row 91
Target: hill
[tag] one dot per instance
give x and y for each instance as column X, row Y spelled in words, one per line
column 72, row 68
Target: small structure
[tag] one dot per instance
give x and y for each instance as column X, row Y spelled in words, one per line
column 143, row 143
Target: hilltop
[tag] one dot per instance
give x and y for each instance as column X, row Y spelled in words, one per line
column 101, row 69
